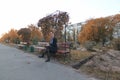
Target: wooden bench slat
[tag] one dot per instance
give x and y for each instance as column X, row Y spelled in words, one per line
column 62, row 51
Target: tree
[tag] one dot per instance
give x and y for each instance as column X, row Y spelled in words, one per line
column 5, row 38
column 25, row 34
column 98, row 29
column 115, row 19
column 13, row 35
column 53, row 22
column 36, row 34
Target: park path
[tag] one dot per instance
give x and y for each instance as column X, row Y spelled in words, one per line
column 17, row 65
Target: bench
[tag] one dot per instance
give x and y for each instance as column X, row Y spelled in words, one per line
column 64, row 49
column 40, row 46
column 21, row 45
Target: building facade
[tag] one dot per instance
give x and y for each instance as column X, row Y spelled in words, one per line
column 116, row 32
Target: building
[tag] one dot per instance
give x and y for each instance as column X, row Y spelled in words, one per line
column 72, row 31
column 116, row 32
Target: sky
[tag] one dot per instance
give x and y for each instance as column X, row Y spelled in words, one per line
column 21, row 13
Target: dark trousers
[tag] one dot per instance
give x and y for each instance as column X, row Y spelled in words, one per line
column 49, row 52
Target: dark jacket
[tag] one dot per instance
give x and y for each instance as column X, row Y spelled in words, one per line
column 53, row 45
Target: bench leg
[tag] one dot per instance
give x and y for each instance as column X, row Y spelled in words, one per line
column 65, row 56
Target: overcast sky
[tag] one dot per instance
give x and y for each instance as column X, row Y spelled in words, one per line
column 20, row 13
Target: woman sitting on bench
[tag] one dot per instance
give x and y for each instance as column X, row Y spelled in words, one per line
column 51, row 49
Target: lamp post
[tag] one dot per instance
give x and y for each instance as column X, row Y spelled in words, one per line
column 65, row 32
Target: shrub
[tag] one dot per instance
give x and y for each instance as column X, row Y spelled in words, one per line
column 89, row 45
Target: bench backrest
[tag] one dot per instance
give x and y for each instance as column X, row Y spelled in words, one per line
column 42, row 44
column 60, row 45
column 23, row 43
column 63, row 46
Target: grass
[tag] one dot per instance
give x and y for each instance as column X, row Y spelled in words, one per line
column 102, row 75
column 75, row 56
column 78, row 55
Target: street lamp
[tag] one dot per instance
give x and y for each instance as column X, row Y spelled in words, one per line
column 65, row 33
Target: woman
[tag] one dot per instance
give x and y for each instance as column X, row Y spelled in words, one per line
column 51, row 49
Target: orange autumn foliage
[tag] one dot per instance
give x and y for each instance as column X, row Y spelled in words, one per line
column 35, row 32
column 11, row 36
column 98, row 29
column 54, row 22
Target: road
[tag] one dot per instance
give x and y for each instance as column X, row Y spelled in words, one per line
column 18, row 65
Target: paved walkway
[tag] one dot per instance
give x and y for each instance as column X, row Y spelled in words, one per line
column 17, row 65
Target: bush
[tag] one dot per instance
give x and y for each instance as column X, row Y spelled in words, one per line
column 73, row 45
column 35, row 41
column 89, row 45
